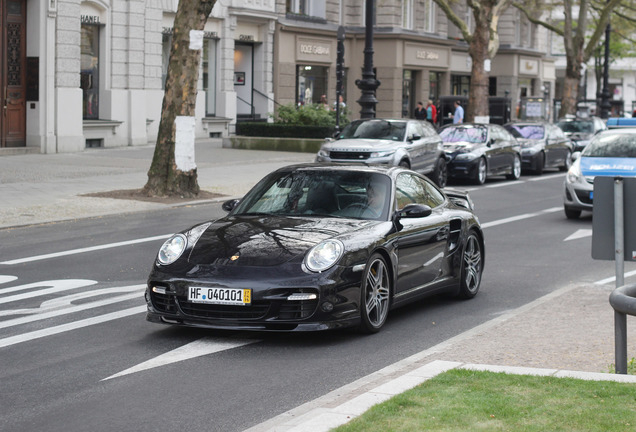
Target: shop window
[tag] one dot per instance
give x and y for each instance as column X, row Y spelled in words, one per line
column 209, row 75
column 311, row 83
column 434, row 82
column 460, row 84
column 408, row 92
column 492, row 86
column 89, row 75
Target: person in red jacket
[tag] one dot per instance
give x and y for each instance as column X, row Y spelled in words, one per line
column 431, row 112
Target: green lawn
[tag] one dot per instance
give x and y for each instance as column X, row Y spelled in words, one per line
column 464, row 400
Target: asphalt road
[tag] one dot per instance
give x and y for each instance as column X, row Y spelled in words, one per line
column 78, row 354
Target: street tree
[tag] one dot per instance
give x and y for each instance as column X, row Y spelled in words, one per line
column 173, row 171
column 483, row 44
column 580, row 39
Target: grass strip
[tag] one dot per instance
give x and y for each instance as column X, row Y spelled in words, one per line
column 465, row 400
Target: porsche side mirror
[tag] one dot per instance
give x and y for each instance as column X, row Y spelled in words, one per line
column 575, row 156
column 414, row 211
column 230, row 205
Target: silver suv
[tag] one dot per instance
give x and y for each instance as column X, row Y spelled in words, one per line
column 401, row 142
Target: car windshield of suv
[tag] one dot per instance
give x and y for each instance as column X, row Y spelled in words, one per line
column 471, row 134
column 374, row 129
column 576, row 126
column 611, row 146
column 526, row 131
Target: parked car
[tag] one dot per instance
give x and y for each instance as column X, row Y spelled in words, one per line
column 543, row 145
column 609, row 153
column 581, row 129
column 317, row 247
column 408, row 143
column 476, row 151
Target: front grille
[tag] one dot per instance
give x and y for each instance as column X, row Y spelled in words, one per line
column 254, row 311
column 584, row 196
column 163, row 302
column 349, row 155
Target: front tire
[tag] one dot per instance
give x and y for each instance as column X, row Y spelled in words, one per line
column 375, row 295
column 479, row 177
column 539, row 164
column 472, row 267
column 516, row 169
column 440, row 173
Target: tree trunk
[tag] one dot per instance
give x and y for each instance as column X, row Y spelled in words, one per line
column 571, row 85
column 172, row 171
column 478, row 95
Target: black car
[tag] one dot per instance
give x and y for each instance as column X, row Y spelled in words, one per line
column 543, row 145
column 319, row 246
column 475, row 151
column 581, row 129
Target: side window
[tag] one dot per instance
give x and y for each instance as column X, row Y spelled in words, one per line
column 412, row 130
column 411, row 189
column 494, row 134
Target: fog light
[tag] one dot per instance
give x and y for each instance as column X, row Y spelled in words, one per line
column 327, row 306
column 158, row 290
column 302, row 296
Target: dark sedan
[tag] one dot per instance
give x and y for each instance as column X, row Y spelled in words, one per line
column 581, row 129
column 543, row 145
column 317, row 247
column 476, row 151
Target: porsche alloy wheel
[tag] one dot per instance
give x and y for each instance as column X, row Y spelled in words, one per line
column 375, row 295
column 472, row 267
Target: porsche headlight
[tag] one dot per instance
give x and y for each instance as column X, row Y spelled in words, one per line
column 172, row 249
column 324, row 255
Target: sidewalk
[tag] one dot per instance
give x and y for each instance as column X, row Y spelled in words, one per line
column 569, row 332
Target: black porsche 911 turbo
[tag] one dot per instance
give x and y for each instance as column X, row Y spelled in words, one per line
column 317, row 247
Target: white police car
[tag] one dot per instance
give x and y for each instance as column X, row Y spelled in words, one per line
column 610, row 153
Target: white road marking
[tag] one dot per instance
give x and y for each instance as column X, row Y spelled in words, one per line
column 519, row 217
column 613, row 278
column 43, row 312
column 582, row 233
column 55, row 286
column 83, row 250
column 25, row 337
column 194, row 349
column 6, row 279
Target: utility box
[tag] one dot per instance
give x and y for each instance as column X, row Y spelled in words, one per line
column 603, row 231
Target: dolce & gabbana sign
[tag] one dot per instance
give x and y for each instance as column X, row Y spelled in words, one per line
column 422, row 55
column 316, row 50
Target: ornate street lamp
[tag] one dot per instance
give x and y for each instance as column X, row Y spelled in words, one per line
column 368, row 84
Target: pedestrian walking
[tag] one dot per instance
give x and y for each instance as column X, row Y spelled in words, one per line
column 458, row 117
column 431, row 112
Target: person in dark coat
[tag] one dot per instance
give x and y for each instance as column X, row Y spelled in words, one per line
column 420, row 111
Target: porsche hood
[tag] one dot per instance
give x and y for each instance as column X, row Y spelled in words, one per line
column 263, row 240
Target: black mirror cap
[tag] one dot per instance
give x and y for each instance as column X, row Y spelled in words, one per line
column 230, row 205
column 414, row 211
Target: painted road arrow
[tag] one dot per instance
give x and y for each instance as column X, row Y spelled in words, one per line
column 194, row 349
column 582, row 233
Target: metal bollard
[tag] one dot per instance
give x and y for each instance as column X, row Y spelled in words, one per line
column 623, row 300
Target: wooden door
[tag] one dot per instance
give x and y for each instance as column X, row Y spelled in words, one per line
column 13, row 73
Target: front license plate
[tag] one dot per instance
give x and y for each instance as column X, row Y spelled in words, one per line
column 223, row 296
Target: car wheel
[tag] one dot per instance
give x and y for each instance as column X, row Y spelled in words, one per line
column 405, row 164
column 440, row 173
column 516, row 169
column 375, row 295
column 571, row 213
column 472, row 267
column 567, row 163
column 539, row 164
column 480, row 173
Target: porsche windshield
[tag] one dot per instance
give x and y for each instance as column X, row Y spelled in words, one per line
column 374, row 129
column 355, row 194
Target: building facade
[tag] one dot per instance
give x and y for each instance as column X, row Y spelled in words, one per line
column 90, row 73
